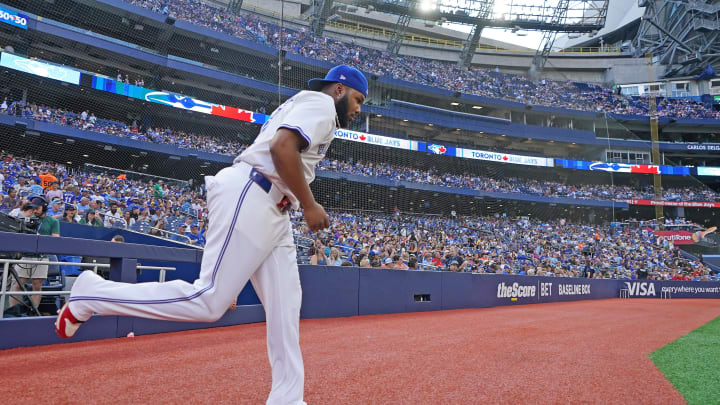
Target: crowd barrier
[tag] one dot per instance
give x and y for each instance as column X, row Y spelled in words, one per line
column 327, row 291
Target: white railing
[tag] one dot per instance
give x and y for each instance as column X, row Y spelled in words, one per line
column 94, row 266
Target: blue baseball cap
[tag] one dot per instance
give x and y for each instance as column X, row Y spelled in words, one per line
column 344, row 74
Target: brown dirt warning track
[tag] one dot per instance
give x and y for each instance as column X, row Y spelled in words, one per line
column 588, row 352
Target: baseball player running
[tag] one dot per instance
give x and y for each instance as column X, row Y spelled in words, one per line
column 250, row 237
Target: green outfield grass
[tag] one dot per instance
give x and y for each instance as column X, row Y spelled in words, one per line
column 692, row 364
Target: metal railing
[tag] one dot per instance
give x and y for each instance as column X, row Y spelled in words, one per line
column 166, row 232
column 94, row 266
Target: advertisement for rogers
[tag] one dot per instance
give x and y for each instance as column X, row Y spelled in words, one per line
column 677, row 237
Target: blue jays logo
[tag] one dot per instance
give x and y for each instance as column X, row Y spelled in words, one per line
column 178, row 101
column 437, row 149
column 611, row 167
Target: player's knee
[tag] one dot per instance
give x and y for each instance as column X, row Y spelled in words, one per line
column 214, row 311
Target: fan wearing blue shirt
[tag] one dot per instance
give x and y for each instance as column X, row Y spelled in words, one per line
column 196, row 238
column 36, row 189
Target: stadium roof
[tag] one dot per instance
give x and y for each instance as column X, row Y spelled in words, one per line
column 622, row 16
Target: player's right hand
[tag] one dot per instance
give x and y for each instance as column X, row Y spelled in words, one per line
column 316, row 217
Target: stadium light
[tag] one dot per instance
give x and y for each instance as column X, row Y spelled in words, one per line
column 428, row 5
column 477, row 107
column 454, row 103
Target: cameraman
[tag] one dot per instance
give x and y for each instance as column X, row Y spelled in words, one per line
column 37, row 273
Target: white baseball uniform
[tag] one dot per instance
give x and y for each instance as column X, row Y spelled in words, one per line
column 249, row 238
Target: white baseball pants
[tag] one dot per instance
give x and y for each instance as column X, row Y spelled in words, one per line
column 249, row 238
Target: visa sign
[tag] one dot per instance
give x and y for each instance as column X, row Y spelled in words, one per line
column 640, row 289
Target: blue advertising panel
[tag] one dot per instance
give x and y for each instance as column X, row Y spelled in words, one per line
column 13, row 18
column 623, row 167
column 708, row 171
column 37, row 68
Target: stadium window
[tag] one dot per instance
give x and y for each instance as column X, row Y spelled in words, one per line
column 653, row 88
column 680, row 89
column 630, row 90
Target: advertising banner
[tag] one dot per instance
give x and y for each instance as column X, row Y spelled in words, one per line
column 677, row 237
column 37, row 68
column 509, row 290
column 708, row 171
column 378, row 140
column 712, row 148
column 176, row 100
column 13, row 18
column 437, row 149
column 671, row 289
column 623, row 167
column 695, row 204
column 505, row 158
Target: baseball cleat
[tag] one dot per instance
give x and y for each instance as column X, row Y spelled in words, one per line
column 66, row 325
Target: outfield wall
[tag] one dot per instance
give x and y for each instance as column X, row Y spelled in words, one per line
column 327, row 291
column 350, row 291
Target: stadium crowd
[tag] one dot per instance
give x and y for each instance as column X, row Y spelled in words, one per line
column 169, row 209
column 88, row 121
column 498, row 245
column 515, row 185
column 474, row 244
column 494, row 84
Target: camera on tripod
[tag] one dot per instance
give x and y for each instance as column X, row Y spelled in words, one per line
column 10, row 224
column 27, row 224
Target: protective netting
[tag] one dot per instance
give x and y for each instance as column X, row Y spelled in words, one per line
column 134, row 102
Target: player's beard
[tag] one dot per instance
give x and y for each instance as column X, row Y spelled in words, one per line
column 341, row 108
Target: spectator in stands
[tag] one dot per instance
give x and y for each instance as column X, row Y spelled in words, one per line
column 334, row 259
column 195, row 237
column 398, row 263
column 158, row 187
column 35, row 188
column 158, row 228
column 83, row 206
column 56, row 209
column 10, row 201
column 180, row 236
column 47, row 179
column 412, row 263
column 317, row 254
column 54, row 193
column 90, row 218
column 69, row 215
column 128, row 220
column 114, row 216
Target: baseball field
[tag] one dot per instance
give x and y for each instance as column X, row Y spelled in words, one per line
column 603, row 351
